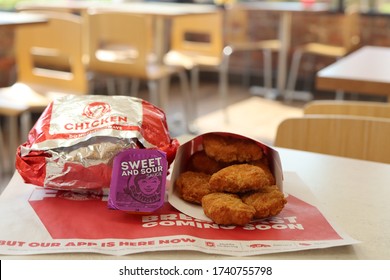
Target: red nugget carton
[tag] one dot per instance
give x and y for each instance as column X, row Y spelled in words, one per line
column 183, row 158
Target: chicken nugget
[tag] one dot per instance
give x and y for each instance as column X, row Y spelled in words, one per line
column 200, row 162
column 239, row 178
column 227, row 209
column 264, row 165
column 269, row 201
column 230, row 149
column 192, row 186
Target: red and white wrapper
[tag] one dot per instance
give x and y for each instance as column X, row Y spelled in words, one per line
column 186, row 150
column 73, row 143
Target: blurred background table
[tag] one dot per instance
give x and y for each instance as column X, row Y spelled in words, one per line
column 364, row 71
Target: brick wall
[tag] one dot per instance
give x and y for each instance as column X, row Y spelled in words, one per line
column 6, row 55
column 375, row 30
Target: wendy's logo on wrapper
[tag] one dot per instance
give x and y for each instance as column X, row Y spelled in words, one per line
column 96, row 110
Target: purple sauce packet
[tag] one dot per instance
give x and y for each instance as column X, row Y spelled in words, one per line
column 138, row 180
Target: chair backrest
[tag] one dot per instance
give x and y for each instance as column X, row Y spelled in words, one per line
column 347, row 136
column 236, row 25
column 119, row 42
column 50, row 55
column 356, row 108
column 351, row 28
column 198, row 34
column 342, row 32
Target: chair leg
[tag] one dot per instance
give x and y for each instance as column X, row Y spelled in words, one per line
column 163, row 92
column 110, row 83
column 189, row 105
column 292, row 79
column 246, row 73
column 309, row 68
column 223, row 85
column 123, row 86
column 267, row 68
column 12, row 125
column 194, row 92
column 134, row 87
column 2, row 153
column 91, row 83
column 153, row 92
column 223, row 81
column 25, row 125
column 339, row 95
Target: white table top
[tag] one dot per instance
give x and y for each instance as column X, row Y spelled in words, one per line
column 165, row 9
column 14, row 19
column 286, row 6
column 152, row 8
column 363, row 71
column 354, row 192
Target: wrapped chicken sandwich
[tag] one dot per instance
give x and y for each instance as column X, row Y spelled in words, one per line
column 73, row 143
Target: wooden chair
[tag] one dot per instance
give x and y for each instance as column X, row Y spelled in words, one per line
column 120, row 44
column 238, row 38
column 202, row 42
column 348, row 136
column 49, row 64
column 349, row 25
column 45, row 58
column 197, row 43
column 355, row 108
